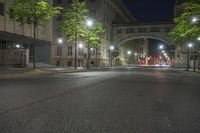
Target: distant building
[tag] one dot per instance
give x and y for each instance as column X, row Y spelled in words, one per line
column 105, row 11
column 16, row 40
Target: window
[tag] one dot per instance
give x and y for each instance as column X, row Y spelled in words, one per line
column 59, row 2
column 119, row 31
column 69, row 52
column 167, row 29
column 142, row 30
column 80, row 51
column 130, row 30
column 69, row 63
column 59, row 50
column 92, row 12
column 155, row 29
column 70, row 1
column 59, row 18
column 3, row 45
column 1, row 8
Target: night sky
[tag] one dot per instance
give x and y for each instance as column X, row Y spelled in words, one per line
column 151, row 10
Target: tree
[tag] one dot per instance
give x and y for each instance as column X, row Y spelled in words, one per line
column 32, row 12
column 186, row 27
column 94, row 37
column 95, row 34
column 74, row 24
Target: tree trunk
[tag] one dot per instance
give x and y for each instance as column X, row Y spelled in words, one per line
column 34, row 42
column 75, row 64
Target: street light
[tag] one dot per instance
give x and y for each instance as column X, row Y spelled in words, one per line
column 194, row 20
column 111, row 49
column 81, row 52
column 89, row 24
column 80, row 45
column 161, row 47
column 188, row 56
column 60, row 40
column 17, row 46
column 136, row 57
column 129, row 52
column 198, row 39
column 190, row 45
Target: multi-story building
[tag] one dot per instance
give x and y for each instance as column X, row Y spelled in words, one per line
column 16, row 40
column 106, row 12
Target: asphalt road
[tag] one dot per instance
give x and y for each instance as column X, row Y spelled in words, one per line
column 124, row 100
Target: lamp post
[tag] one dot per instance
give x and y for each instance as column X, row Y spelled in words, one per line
column 136, row 57
column 81, row 53
column 188, row 56
column 129, row 53
column 194, row 19
column 59, row 42
column 161, row 47
column 89, row 24
column 111, row 49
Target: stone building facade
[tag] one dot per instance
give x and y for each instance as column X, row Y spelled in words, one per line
column 16, row 40
column 106, row 12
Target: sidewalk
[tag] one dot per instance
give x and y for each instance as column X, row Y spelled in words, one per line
column 13, row 73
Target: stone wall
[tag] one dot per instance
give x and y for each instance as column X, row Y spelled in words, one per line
column 14, row 57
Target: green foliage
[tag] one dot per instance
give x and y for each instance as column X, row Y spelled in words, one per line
column 74, row 24
column 30, row 11
column 184, row 28
column 95, row 34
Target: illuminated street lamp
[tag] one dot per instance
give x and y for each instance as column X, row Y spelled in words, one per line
column 129, row 52
column 80, row 45
column 198, row 39
column 136, row 54
column 89, row 24
column 190, row 45
column 60, row 40
column 194, row 20
column 80, row 52
column 161, row 47
column 17, row 46
column 111, row 49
